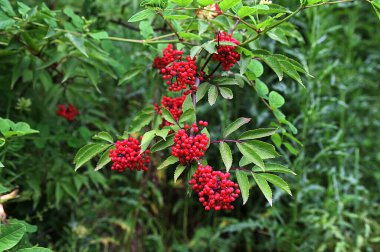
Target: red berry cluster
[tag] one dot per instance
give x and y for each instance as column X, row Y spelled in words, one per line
column 127, row 156
column 169, row 55
column 188, row 145
column 227, row 55
column 180, row 74
column 214, row 188
column 69, row 112
column 174, row 105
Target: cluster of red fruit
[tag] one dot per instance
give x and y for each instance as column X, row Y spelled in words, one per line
column 226, row 55
column 173, row 105
column 69, row 112
column 127, row 155
column 169, row 55
column 214, row 188
column 189, row 146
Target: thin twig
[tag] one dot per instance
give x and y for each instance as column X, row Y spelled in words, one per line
column 226, row 141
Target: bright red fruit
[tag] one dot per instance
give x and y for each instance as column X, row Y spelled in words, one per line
column 127, row 156
column 226, row 55
column 169, row 55
column 214, row 188
column 174, row 105
column 69, row 112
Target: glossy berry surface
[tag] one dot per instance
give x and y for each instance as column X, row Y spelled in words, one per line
column 188, row 145
column 226, row 55
column 174, row 105
column 69, row 112
column 127, row 155
column 215, row 189
column 169, row 55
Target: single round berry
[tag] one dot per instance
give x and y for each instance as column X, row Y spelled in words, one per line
column 127, row 155
column 226, row 55
column 214, row 188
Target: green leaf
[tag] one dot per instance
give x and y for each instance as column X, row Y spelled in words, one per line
column 163, row 133
column 244, row 185
column 188, row 103
column 290, row 148
column 103, row 160
column 35, row 249
column 261, row 88
column 257, row 133
column 226, row 154
column 250, row 154
column 194, row 51
column 147, row 139
column 169, row 161
column 1, row 166
column 277, row 181
column 10, row 235
column 130, row 75
column 182, row 3
column 264, row 187
column 162, row 144
column 5, row 21
column 78, row 42
column 274, row 168
column 178, row 171
column 212, row 95
column 264, row 150
column 105, row 136
column 205, row 131
column 177, row 17
column 202, row 90
column 144, row 14
column 226, row 93
column 210, row 47
column 228, row 4
column 188, row 115
column 235, row 126
column 168, row 116
column 205, row 2
column 279, row 35
column 6, row 6
column 276, row 100
column 248, row 10
column 143, row 118
column 89, row 153
column 99, row 35
column 3, row 189
column 244, row 161
column 290, row 70
column 274, row 64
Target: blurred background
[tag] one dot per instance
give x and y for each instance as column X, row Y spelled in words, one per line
column 335, row 202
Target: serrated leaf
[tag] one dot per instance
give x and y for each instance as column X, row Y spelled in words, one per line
column 244, row 185
column 276, row 100
column 178, row 171
column 212, row 95
column 257, row 133
column 274, row 168
column 235, row 126
column 273, row 63
column 78, row 42
column 103, row 136
column 226, row 93
column 89, row 154
column 202, row 90
column 168, row 116
column 147, row 139
column 162, row 144
column 163, row 133
column 244, row 161
column 210, row 47
column 169, row 161
column 226, row 154
column 188, row 115
column 264, row 187
column 144, row 14
column 290, row 70
column 82, row 150
column 264, row 150
column 228, row 4
column 250, row 154
column 103, row 160
column 187, row 103
column 277, row 181
column 10, row 235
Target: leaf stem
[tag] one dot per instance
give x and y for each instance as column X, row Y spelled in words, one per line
column 226, row 141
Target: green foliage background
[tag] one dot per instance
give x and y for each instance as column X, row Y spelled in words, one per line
column 335, row 203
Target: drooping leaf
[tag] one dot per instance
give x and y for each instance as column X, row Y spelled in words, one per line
column 257, row 133
column 89, row 153
column 244, row 185
column 226, row 154
column 147, row 139
column 10, row 235
column 78, row 42
column 264, row 187
column 277, row 181
column 144, row 14
column 178, row 171
column 226, row 93
column 169, row 161
column 276, row 100
column 103, row 160
column 250, row 154
column 162, row 144
column 212, row 94
column 235, row 126
column 105, row 136
column 228, row 4
column 202, row 90
column 168, row 116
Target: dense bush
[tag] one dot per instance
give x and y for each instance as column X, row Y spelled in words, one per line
column 78, row 70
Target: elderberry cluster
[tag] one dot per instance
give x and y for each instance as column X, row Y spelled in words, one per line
column 214, row 188
column 226, row 55
column 188, row 145
column 174, row 105
column 69, row 112
column 127, row 156
column 169, row 55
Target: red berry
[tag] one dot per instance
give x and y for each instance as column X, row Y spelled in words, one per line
column 226, row 55
column 127, row 156
column 174, row 105
column 69, row 112
column 214, row 189
column 169, row 55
